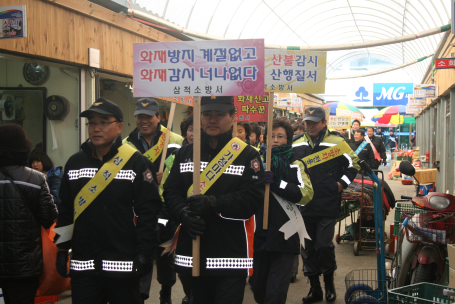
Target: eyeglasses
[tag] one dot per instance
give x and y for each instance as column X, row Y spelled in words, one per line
column 280, row 137
column 103, row 124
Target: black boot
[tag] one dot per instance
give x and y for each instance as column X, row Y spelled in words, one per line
column 330, row 294
column 315, row 293
column 165, row 295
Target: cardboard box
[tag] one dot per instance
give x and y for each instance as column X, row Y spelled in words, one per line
column 426, row 176
column 451, row 278
column 451, row 255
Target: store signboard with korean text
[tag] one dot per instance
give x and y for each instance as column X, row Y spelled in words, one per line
column 444, row 63
column 199, row 68
column 289, row 102
column 289, row 71
column 339, row 122
column 251, row 108
column 13, row 21
column 425, row 91
column 417, row 102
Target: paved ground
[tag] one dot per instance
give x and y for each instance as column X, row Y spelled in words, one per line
column 345, row 259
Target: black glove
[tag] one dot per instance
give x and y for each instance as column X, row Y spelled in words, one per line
column 194, row 226
column 202, row 205
column 62, row 263
column 142, row 265
column 384, row 162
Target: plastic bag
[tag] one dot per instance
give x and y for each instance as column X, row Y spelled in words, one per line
column 51, row 282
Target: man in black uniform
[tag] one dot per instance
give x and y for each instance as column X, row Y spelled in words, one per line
column 392, row 142
column 366, row 153
column 379, row 146
column 380, row 135
column 104, row 187
column 328, row 178
column 232, row 192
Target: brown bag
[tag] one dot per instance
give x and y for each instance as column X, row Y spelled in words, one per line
column 51, row 282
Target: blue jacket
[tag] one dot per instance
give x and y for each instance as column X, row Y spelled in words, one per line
column 54, row 179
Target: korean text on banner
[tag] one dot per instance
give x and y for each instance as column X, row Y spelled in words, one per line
column 444, row 63
column 425, row 91
column 13, row 20
column 295, row 71
column 417, row 102
column 289, row 102
column 339, row 122
column 199, row 68
column 251, row 108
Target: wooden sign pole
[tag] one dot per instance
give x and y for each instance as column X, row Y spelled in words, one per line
column 168, row 134
column 267, row 161
column 196, row 175
column 234, row 129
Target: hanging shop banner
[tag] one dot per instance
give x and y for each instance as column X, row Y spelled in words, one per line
column 425, row 91
column 417, row 102
column 339, row 122
column 199, row 68
column 413, row 110
column 444, row 63
column 183, row 100
column 289, row 71
column 347, row 113
column 251, row 108
column 289, row 102
column 13, row 20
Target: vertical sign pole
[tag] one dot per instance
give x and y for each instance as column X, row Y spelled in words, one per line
column 267, row 161
column 168, row 134
column 196, row 175
column 234, row 129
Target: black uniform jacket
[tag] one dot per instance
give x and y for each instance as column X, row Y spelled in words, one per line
column 20, row 228
column 272, row 239
column 366, row 154
column 326, row 201
column 227, row 243
column 379, row 145
column 105, row 238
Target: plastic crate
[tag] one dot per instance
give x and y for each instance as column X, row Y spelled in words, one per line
column 419, row 293
column 399, row 209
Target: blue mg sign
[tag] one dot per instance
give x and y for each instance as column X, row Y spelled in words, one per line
column 392, row 94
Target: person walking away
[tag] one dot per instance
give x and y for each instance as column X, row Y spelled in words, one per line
column 110, row 201
column 233, row 191
column 362, row 148
column 379, row 146
column 41, row 162
column 26, row 205
column 148, row 138
column 392, row 143
column 328, row 178
column 274, row 254
column 349, row 135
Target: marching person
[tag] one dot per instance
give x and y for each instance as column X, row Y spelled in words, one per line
column 109, row 191
column 232, row 192
column 349, row 135
column 41, row 162
column 380, row 135
column 379, row 146
column 299, row 128
column 26, row 204
column 186, row 127
column 290, row 185
column 362, row 148
column 392, row 142
column 329, row 177
column 244, row 131
column 148, row 138
column 255, row 136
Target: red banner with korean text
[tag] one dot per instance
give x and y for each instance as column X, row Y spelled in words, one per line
column 251, row 108
column 184, row 100
column 444, row 63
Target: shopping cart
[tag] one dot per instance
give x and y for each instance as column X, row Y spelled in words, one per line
column 364, row 286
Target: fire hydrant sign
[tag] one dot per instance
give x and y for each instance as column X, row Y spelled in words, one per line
column 199, row 68
column 251, row 108
column 295, row 71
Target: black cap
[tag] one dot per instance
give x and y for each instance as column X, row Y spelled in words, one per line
column 315, row 114
column 217, row 103
column 147, row 106
column 104, row 106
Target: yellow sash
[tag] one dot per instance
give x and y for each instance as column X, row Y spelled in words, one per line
column 326, row 154
column 102, row 178
column 154, row 152
column 219, row 164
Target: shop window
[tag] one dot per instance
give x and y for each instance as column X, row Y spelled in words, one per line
column 24, row 106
